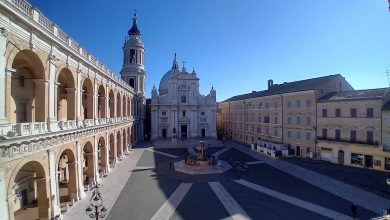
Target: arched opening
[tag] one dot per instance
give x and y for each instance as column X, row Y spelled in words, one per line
column 119, row 144
column 102, row 161
column 132, row 82
column 66, row 177
column 124, row 104
column 88, row 165
column 66, row 96
column 341, row 157
column 29, row 190
column 118, row 105
column 112, row 104
column 124, row 140
column 28, row 89
column 87, row 99
column 101, row 102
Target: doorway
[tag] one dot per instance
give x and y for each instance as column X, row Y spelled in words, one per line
column 341, row 157
column 368, row 161
column 183, row 131
column 298, row 152
column 164, row 133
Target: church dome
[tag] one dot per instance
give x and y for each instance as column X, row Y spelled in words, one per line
column 163, row 87
column 134, row 29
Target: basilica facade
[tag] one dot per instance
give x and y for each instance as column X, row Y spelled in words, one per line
column 178, row 110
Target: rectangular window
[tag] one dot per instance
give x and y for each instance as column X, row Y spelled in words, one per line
column 308, row 120
column 357, row 159
column 202, row 113
column 276, row 119
column 353, row 113
column 353, row 136
column 259, row 118
column 289, row 104
column 184, row 113
column 266, row 119
column 337, row 134
column 164, row 113
column 266, row 131
column 308, row 103
column 338, row 113
column 183, row 99
column 325, row 133
column 298, row 120
column 324, row 112
column 266, row 105
column 370, row 137
column 298, row 103
column 289, row 120
column 276, row 132
column 370, row 112
column 298, row 135
column 308, row 136
column 289, row 134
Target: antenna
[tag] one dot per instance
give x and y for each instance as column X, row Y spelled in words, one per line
column 388, row 77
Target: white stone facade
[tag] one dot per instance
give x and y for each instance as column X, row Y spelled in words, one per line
column 178, row 110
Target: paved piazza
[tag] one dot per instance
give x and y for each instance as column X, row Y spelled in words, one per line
column 144, row 187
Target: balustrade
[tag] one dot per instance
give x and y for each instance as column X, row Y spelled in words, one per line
column 29, row 128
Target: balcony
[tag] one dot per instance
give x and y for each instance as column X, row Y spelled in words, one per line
column 374, row 144
column 33, row 128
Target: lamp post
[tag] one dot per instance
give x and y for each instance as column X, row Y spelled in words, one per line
column 96, row 202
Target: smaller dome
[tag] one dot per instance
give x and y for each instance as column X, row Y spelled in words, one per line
column 134, row 29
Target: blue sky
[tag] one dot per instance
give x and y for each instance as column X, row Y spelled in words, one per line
column 237, row 45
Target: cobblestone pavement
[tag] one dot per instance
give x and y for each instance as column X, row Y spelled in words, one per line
column 260, row 192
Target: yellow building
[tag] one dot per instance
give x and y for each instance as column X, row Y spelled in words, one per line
column 284, row 113
column 350, row 128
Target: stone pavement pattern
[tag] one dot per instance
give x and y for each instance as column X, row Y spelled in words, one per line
column 270, row 189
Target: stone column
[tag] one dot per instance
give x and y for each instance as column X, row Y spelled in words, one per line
column 78, row 99
column 96, row 159
column 107, row 103
column 95, row 115
column 72, row 180
column 52, row 119
column 3, row 77
column 108, row 147
column 55, row 206
column 115, row 106
column 80, row 173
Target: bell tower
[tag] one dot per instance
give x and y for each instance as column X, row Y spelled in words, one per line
column 133, row 69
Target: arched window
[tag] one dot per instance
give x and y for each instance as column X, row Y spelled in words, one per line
column 132, row 82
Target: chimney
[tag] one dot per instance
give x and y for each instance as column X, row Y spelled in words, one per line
column 270, row 83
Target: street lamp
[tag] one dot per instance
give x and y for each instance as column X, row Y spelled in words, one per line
column 96, row 202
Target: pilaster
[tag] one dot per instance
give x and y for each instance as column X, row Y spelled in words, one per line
column 3, row 195
column 56, row 210
column 80, row 175
column 52, row 120
column 3, row 75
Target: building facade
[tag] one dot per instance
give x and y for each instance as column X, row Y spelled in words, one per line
column 284, row 113
column 350, row 128
column 66, row 119
column 178, row 110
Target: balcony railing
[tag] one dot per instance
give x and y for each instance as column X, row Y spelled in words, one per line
column 67, row 125
column 375, row 143
column 29, row 128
